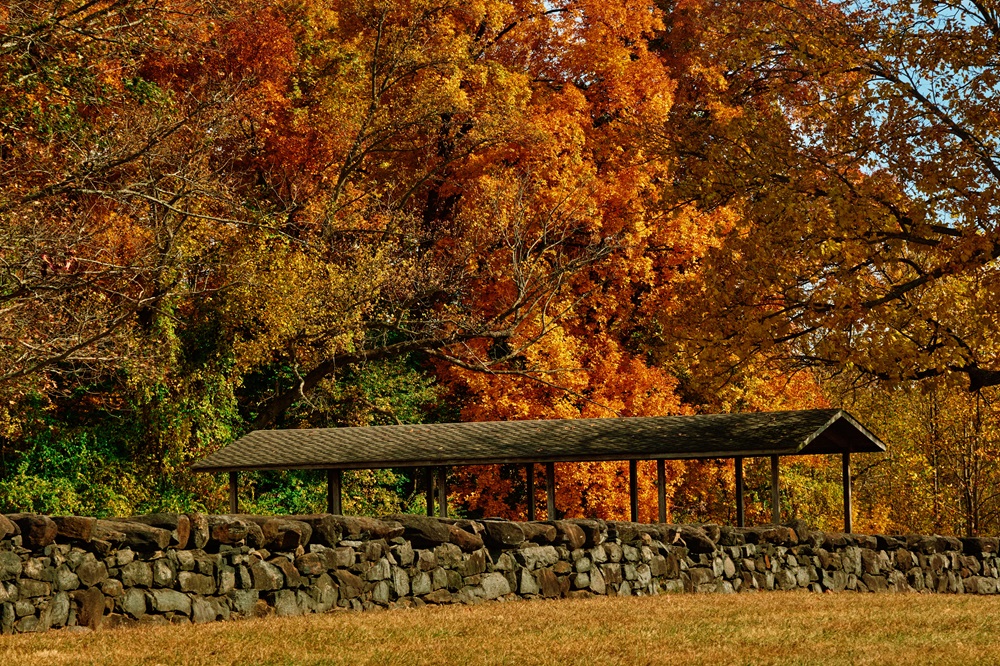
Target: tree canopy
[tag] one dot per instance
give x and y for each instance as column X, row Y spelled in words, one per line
column 216, row 217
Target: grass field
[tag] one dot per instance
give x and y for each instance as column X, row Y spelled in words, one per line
column 773, row 628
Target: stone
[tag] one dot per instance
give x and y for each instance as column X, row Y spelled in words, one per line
column 137, row 574
column 448, row 555
column 382, row 591
column 423, row 531
column 426, row 560
column 200, row 532
column 612, row 573
column 467, row 541
column 350, row 585
column 178, row 524
column 326, row 530
column 10, row 565
column 439, row 578
column 548, row 583
column 91, row 571
column 266, row 576
column 243, row 601
column 311, row 564
column 34, row 588
column 90, row 607
column 166, row 601
column 495, row 585
column 569, row 535
column 404, row 554
column 581, row 580
column 292, row 576
column 7, row 528
column 439, row 597
column 163, row 572
column 36, row 531
column 341, row 557
column 400, row 581
column 696, row 539
column 541, row 533
column 141, row 537
column 203, row 611
column 583, row 564
column 474, row 563
column 105, row 536
column 527, row 584
column 112, row 588
column 363, row 528
column 421, row 583
column 196, row 583
column 285, row 535
column 536, row 557
column 613, row 551
column 230, row 530
column 133, row 603
column 59, row 609
column 74, row 527
column 380, row 571
column 595, row 532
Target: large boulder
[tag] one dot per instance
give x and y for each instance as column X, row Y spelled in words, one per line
column 541, row 533
column 696, row 539
column 199, row 530
column 7, row 528
column 467, row 541
column 594, row 531
column 79, row 528
column 283, row 534
column 178, row 524
column 502, row 534
column 37, row 531
column 423, row 531
column 232, row 530
column 567, row 534
column 326, row 529
column 143, row 538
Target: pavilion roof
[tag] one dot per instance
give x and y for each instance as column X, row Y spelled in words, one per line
column 817, row 431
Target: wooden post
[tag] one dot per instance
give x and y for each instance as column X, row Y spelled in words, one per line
column 442, row 491
column 529, row 471
column 847, row 492
column 775, row 497
column 234, row 499
column 550, row 490
column 740, row 509
column 633, row 490
column 429, row 490
column 661, row 489
column 333, row 479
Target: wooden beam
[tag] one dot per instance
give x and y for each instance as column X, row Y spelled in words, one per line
column 529, row 475
column 550, row 490
column 775, row 497
column 429, row 490
column 234, row 498
column 848, row 518
column 633, row 490
column 661, row 489
column 740, row 505
column 442, row 484
column 333, row 492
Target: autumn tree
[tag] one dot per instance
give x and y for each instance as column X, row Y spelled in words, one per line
column 856, row 144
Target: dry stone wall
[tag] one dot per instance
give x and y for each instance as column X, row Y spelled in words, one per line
column 82, row 573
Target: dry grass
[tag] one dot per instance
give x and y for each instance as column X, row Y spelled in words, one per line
column 773, row 628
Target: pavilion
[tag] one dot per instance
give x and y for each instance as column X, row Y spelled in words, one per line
column 442, row 445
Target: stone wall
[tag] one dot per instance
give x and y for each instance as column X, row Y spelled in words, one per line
column 83, row 573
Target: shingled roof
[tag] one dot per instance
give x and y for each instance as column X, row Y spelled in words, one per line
column 557, row 440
